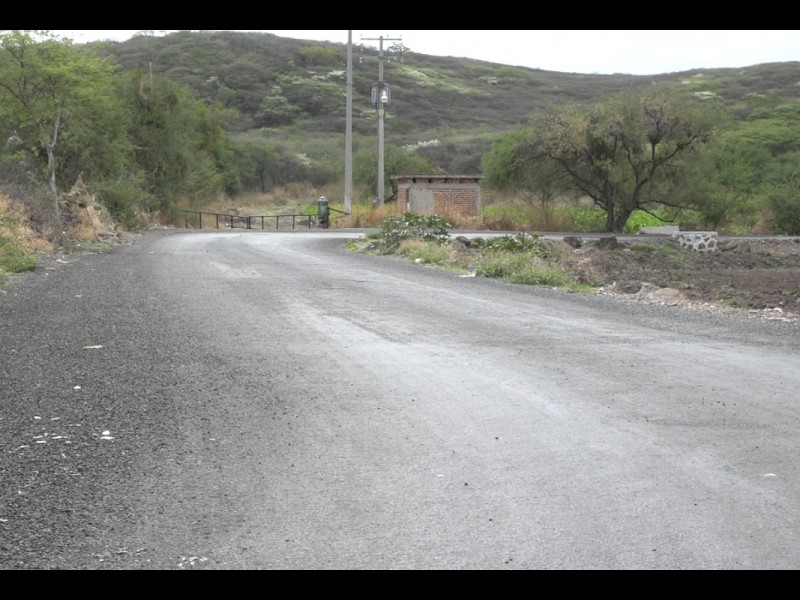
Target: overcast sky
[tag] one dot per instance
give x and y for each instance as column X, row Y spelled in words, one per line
column 635, row 52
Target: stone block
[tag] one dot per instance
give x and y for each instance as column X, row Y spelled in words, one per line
column 699, row 241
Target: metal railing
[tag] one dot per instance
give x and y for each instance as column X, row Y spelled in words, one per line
column 193, row 219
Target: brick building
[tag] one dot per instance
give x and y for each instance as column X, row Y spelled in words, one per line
column 439, row 194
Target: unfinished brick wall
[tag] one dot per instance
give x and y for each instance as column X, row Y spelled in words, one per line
column 439, row 194
column 457, row 200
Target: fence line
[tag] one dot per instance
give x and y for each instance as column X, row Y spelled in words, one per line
column 229, row 221
column 318, row 219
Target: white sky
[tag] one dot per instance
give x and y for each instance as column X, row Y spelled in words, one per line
column 635, row 52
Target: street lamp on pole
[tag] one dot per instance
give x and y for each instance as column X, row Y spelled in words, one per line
column 381, row 97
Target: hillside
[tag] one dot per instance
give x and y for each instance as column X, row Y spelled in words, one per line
column 461, row 103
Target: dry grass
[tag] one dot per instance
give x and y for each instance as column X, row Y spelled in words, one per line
column 425, row 252
column 364, row 216
column 15, row 229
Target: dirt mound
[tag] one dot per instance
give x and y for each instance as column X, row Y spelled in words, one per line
column 746, row 274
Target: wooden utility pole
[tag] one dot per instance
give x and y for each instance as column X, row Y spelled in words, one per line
column 348, row 138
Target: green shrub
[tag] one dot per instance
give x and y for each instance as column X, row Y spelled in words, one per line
column 395, row 230
column 785, row 208
column 126, row 201
column 518, row 242
column 585, row 220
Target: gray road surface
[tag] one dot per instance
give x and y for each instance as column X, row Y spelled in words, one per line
column 257, row 400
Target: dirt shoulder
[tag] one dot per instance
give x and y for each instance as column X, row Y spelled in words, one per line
column 757, row 277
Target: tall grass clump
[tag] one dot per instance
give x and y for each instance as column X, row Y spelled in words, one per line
column 504, row 217
column 427, row 253
column 521, row 258
column 520, row 216
column 521, row 267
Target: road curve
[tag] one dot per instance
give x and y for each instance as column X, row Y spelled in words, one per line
column 260, row 400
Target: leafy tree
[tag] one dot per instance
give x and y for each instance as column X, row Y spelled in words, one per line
column 774, row 127
column 313, row 97
column 621, row 152
column 181, row 145
column 746, row 171
column 722, row 183
column 276, row 110
column 59, row 100
column 263, row 167
column 396, row 161
column 248, row 168
column 508, row 168
column 319, row 56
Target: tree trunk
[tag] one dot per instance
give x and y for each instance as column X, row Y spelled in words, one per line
column 622, row 220
column 51, row 165
column 609, row 206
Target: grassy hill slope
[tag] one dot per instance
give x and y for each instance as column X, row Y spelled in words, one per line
column 462, row 103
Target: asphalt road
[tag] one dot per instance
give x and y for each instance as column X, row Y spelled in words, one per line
column 258, row 400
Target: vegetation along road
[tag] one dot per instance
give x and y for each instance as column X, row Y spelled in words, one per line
column 261, row 400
